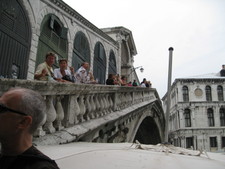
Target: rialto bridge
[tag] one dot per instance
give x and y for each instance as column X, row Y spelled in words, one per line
column 96, row 113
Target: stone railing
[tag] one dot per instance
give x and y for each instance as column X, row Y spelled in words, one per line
column 71, row 104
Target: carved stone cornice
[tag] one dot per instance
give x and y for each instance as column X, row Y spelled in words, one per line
column 66, row 8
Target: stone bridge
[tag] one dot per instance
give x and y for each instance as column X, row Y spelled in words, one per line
column 96, row 113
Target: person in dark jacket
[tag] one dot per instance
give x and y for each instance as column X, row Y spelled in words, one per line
column 222, row 72
column 21, row 113
column 110, row 80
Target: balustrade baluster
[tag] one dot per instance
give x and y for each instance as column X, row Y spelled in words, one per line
column 82, row 108
column 106, row 103
column 88, row 107
column 102, row 106
column 51, row 115
column 98, row 106
column 76, row 108
column 110, row 103
column 40, row 132
column 93, row 106
column 59, row 113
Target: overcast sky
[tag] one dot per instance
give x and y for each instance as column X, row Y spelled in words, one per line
column 194, row 28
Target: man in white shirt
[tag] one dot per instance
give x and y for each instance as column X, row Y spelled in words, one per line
column 82, row 74
column 63, row 73
column 44, row 70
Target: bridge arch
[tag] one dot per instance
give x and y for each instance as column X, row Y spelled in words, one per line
column 148, row 132
column 150, row 125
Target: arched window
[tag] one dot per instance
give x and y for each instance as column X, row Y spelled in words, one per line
column 81, row 50
column 208, row 93
column 112, row 63
column 99, row 63
column 222, row 116
column 210, row 117
column 187, row 116
column 53, row 38
column 220, row 93
column 15, row 40
column 185, row 94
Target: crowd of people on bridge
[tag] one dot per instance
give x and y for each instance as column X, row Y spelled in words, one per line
column 65, row 73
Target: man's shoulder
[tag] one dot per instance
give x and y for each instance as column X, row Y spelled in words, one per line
column 81, row 70
column 42, row 64
column 38, row 160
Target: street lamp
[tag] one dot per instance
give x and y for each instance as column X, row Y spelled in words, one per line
column 141, row 69
column 134, row 68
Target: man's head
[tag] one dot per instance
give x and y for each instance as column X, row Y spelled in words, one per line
column 50, row 58
column 85, row 65
column 20, row 109
column 223, row 66
column 63, row 64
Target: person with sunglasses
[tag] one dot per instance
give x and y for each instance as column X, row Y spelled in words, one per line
column 21, row 113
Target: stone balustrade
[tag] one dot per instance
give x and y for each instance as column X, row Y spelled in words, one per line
column 71, row 104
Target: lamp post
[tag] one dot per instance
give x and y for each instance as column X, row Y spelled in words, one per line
column 168, row 94
column 133, row 69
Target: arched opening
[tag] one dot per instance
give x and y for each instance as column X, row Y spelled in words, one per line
column 148, row 132
column 15, row 38
column 81, row 50
column 99, row 63
column 112, row 63
column 53, row 38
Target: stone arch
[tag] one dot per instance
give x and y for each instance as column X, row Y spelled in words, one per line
column 148, row 132
column 81, row 50
column 53, row 37
column 99, row 66
column 15, row 33
column 154, row 115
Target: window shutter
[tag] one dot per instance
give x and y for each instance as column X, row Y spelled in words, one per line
column 64, row 33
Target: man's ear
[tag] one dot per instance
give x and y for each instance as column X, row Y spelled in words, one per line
column 25, row 122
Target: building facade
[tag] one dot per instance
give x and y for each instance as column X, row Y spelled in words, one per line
column 31, row 28
column 197, row 112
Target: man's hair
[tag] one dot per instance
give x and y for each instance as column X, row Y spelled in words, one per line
column 33, row 104
column 82, row 64
column 63, row 60
column 49, row 54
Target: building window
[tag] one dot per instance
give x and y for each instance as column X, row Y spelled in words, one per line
column 210, row 117
column 223, row 142
column 189, row 142
column 187, row 116
column 185, row 94
column 213, row 142
column 208, row 93
column 222, row 116
column 220, row 93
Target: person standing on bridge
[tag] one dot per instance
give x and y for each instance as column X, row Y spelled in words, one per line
column 21, row 113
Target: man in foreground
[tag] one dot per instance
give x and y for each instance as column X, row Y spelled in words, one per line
column 21, row 113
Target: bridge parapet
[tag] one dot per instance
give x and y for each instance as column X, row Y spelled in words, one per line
column 69, row 105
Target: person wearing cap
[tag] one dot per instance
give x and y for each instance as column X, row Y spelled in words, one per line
column 22, row 111
column 44, row 70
